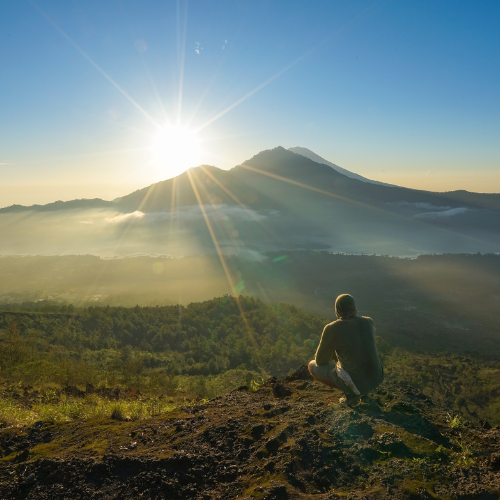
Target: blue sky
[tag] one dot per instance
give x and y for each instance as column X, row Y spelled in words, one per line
column 402, row 92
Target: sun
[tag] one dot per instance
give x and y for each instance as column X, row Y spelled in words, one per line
column 175, row 150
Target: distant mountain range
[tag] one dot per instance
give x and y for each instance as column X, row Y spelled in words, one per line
column 294, row 164
column 284, row 199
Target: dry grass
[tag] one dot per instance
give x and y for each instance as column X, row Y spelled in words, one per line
column 15, row 414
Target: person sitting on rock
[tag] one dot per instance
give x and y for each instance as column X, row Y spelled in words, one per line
column 347, row 356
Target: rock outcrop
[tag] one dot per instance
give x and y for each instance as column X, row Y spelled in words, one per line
column 289, row 439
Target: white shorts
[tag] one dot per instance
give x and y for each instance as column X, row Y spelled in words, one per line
column 330, row 373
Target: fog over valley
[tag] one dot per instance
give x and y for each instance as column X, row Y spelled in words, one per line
column 278, row 200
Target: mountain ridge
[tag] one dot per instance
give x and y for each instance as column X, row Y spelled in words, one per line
column 275, row 200
column 277, row 161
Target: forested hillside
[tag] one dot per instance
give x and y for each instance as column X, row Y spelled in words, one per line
column 200, row 339
column 440, row 302
column 204, row 349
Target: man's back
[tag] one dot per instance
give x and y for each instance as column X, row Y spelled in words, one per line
column 354, row 341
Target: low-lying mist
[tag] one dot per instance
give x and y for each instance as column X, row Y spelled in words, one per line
column 191, row 230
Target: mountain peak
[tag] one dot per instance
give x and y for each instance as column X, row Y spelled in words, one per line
column 307, row 153
column 284, row 162
column 313, row 156
column 273, row 153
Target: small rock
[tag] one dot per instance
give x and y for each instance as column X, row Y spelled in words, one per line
column 117, row 415
column 402, row 407
column 302, row 373
column 23, row 456
column 30, row 479
column 257, row 431
column 485, row 424
column 272, row 445
column 241, row 388
column 280, row 391
column 494, row 461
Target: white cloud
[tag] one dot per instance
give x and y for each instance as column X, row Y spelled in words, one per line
column 424, row 206
column 86, row 222
column 118, row 219
column 193, row 213
column 219, row 212
column 214, row 213
column 446, row 213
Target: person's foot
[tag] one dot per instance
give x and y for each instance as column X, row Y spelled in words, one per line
column 351, row 400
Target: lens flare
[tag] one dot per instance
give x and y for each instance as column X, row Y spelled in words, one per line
column 157, row 267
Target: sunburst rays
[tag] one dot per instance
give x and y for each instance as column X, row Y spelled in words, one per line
column 177, row 119
column 96, row 66
column 222, row 259
column 181, row 47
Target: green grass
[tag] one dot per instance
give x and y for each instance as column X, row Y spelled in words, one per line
column 465, row 457
column 15, row 414
column 455, row 421
column 254, row 385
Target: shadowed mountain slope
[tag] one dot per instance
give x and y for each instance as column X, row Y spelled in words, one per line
column 213, row 185
column 284, row 163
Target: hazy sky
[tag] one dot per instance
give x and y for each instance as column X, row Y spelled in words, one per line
column 404, row 92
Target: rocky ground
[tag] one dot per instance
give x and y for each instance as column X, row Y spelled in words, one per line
column 289, row 439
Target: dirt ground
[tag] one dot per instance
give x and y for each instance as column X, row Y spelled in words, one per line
column 289, row 439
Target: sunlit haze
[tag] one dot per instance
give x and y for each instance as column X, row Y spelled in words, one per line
column 101, row 98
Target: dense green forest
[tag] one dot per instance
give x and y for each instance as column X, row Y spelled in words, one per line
column 201, row 339
column 204, row 349
column 440, row 302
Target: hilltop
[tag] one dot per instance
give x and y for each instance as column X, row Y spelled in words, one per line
column 284, row 439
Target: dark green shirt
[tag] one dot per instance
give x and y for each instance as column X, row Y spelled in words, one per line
column 354, row 341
